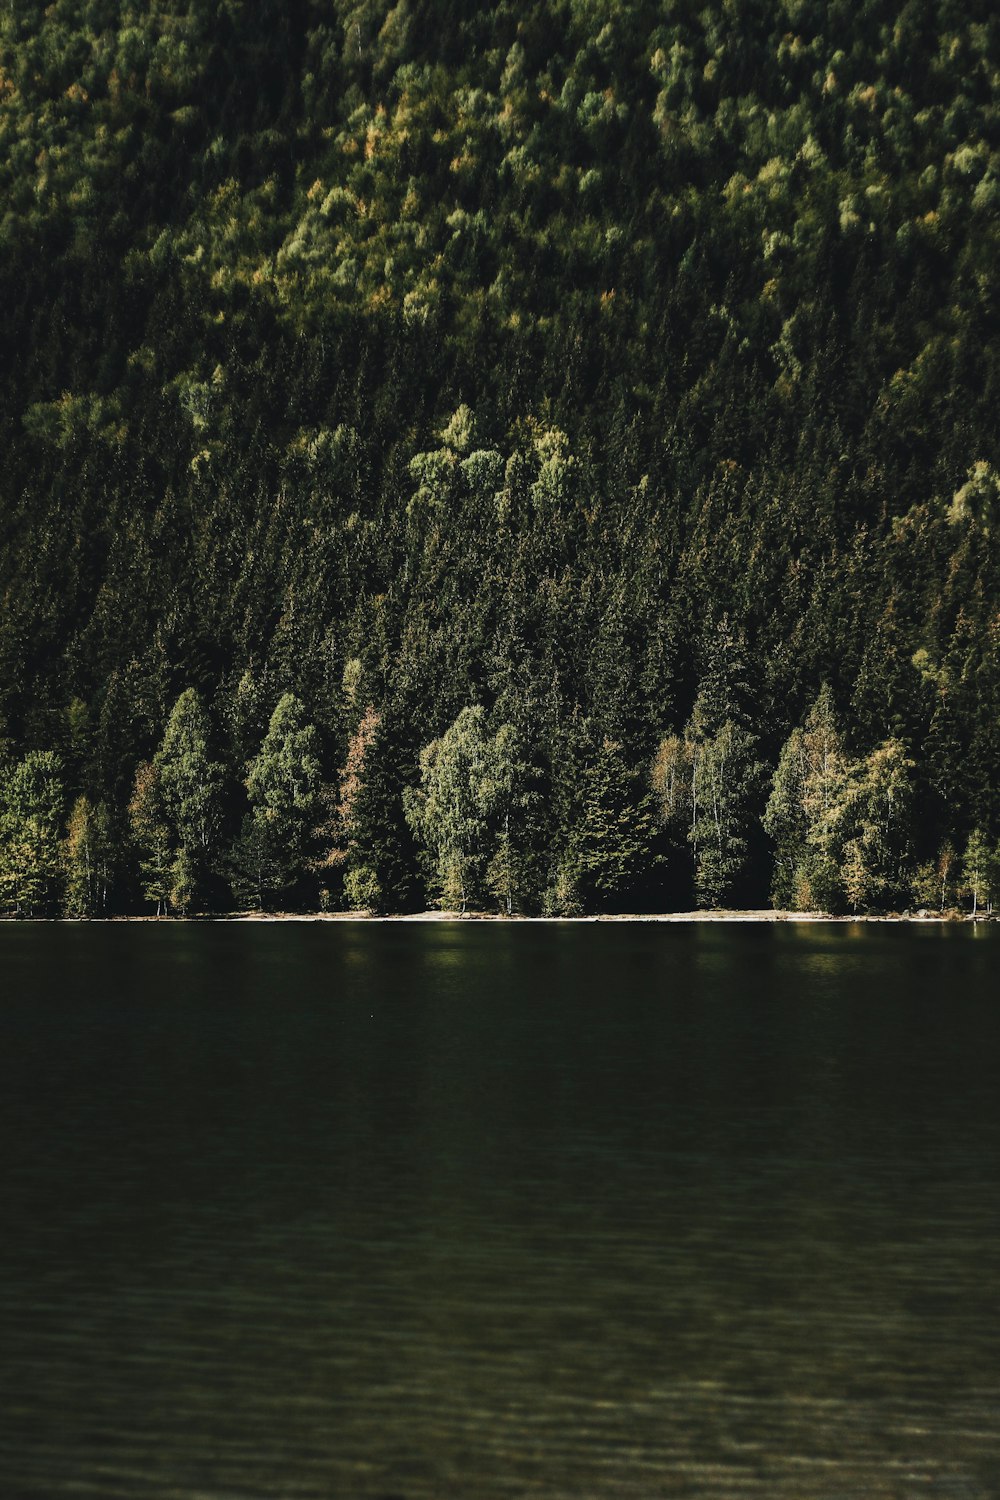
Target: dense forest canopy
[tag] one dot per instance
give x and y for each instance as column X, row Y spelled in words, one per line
column 543, row 455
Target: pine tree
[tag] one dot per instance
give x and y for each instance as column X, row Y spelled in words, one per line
column 255, row 866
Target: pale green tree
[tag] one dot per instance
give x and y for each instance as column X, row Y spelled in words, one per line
column 464, row 812
column 875, row 815
column 933, row 882
column 979, row 870
column 726, row 782
column 447, row 812
column 88, row 854
column 807, row 790
column 32, row 808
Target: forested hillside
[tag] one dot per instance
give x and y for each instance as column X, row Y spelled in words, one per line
column 530, row 456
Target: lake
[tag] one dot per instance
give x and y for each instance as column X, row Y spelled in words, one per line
column 486, row 1210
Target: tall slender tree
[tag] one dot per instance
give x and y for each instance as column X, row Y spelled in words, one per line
column 89, row 854
column 189, row 785
column 807, row 789
column 152, row 838
column 711, row 780
column 283, row 785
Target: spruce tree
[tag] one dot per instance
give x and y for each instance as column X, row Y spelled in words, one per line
column 802, row 817
column 380, row 853
column 190, row 790
column 711, row 781
column 283, row 785
column 509, row 791
column 613, row 846
column 151, row 837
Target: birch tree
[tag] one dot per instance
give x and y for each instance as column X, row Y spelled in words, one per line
column 88, row 855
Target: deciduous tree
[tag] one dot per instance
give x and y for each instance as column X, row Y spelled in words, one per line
column 32, row 807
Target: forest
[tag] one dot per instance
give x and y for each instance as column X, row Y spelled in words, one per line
column 533, row 458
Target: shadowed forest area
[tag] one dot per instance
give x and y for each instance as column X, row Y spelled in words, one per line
column 537, row 457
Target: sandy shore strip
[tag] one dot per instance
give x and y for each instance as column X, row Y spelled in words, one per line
column 762, row 915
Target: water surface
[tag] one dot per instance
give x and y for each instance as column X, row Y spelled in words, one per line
column 485, row 1211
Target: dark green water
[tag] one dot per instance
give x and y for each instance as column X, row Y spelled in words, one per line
column 481, row 1211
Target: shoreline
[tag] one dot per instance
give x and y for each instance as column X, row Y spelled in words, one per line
column 683, row 916
column 764, row 915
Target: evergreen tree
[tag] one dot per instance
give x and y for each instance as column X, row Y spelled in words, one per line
column 381, row 855
column 152, row 838
column 613, row 844
column 283, row 784
column 712, row 780
column 347, row 847
column 189, row 788
column 803, row 813
column 509, row 793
